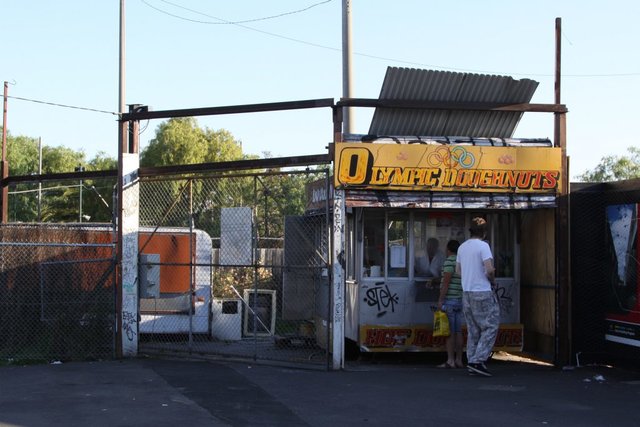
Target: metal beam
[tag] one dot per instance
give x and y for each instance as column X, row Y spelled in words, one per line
column 151, row 171
column 450, row 105
column 232, row 109
column 60, row 176
column 235, row 165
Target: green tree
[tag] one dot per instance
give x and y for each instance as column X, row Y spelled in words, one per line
column 102, row 162
column 59, row 201
column 61, row 159
column 98, row 194
column 180, row 141
column 279, row 196
column 615, row 168
column 22, row 156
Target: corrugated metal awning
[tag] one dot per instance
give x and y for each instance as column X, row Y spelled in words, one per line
column 447, row 200
column 445, row 140
column 429, row 85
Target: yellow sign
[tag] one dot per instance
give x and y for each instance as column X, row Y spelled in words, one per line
column 447, row 167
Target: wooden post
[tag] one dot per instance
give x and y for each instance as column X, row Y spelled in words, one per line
column 563, row 347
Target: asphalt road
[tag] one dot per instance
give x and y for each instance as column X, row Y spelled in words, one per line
column 156, row 392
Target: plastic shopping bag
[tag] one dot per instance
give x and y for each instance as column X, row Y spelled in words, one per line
column 440, row 324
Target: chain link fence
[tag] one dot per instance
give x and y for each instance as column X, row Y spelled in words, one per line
column 57, row 292
column 235, row 266
column 62, row 201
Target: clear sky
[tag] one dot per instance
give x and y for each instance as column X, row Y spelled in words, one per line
column 197, row 53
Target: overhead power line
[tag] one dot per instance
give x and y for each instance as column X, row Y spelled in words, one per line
column 365, row 55
column 62, row 105
column 221, row 21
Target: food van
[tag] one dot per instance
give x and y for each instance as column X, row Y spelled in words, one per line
column 175, row 281
column 398, row 195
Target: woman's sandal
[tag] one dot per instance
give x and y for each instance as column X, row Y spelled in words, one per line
column 446, row 365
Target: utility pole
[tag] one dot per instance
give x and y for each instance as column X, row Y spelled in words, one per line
column 39, row 182
column 347, row 86
column 563, row 332
column 4, row 215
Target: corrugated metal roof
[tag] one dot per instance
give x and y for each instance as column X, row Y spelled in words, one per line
column 444, row 86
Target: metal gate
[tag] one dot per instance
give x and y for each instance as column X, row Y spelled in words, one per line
column 236, row 266
column 57, row 292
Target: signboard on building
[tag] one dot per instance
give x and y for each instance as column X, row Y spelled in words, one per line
column 433, row 167
column 318, row 195
column 623, row 289
column 384, row 338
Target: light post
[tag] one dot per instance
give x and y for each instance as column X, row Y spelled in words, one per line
column 80, row 168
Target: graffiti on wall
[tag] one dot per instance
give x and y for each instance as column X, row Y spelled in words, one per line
column 381, row 298
column 129, row 316
column 505, row 299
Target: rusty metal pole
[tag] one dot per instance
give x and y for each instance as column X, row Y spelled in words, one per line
column 4, row 202
column 337, row 114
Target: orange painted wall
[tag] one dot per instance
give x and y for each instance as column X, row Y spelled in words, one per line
column 173, row 249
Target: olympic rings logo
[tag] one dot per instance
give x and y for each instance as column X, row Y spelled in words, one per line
column 451, row 157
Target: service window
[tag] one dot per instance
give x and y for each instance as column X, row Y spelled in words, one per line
column 407, row 244
column 398, row 245
column 373, row 237
column 350, row 238
column 431, row 233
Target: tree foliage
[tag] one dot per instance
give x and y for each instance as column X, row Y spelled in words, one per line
column 56, row 201
column 180, row 141
column 615, row 168
column 102, row 162
column 22, row 155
